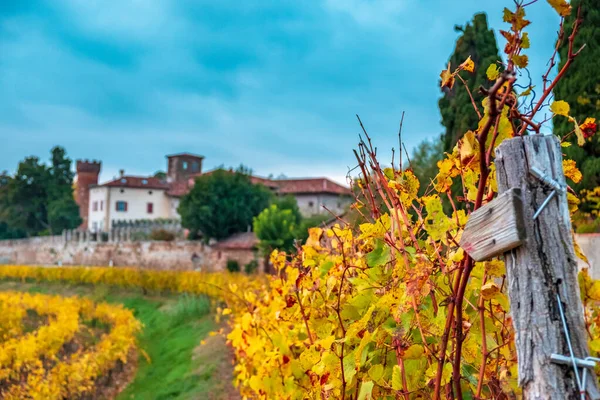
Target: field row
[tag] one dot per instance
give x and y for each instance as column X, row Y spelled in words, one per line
column 56, row 347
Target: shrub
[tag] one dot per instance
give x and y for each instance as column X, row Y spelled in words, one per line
column 251, row 267
column 233, row 266
column 162, row 234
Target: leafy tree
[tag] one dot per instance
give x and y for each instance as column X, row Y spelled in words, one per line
column 581, row 89
column 424, row 162
column 289, row 203
column 223, row 203
column 276, row 229
column 458, row 116
column 38, row 199
column 160, row 175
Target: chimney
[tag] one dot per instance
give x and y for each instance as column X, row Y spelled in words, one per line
column 121, row 172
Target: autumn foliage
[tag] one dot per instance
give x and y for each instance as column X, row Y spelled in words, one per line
column 393, row 308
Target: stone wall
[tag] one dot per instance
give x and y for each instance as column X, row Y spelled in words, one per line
column 54, row 250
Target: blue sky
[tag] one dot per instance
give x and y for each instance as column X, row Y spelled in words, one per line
column 274, row 85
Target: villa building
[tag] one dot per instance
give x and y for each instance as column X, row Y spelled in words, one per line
column 133, row 198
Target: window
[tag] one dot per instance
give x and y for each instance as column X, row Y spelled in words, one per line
column 122, row 190
column 149, row 191
column 195, row 166
column 121, row 206
column 184, row 165
column 310, row 204
column 150, row 208
column 94, row 226
column 144, row 181
column 101, row 205
column 123, row 180
column 95, row 206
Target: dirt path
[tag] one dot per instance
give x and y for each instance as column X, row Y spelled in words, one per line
column 219, row 369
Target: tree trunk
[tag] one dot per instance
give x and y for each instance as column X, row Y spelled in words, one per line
column 541, row 268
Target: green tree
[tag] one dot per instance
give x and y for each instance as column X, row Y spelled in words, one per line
column 479, row 42
column 580, row 87
column 160, row 175
column 289, row 203
column 424, row 162
column 276, row 229
column 223, row 203
column 38, row 199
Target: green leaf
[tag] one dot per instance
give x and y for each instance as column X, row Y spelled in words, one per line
column 380, row 254
column 396, row 378
column 520, row 61
column 376, row 372
column 325, row 267
column 365, row 390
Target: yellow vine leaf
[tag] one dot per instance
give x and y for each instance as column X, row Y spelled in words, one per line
column 447, row 78
column 579, row 253
column 396, row 378
column 520, row 60
column 492, row 72
column 571, row 171
column 414, row 352
column 561, row 6
column 579, row 133
column 560, row 107
column 525, row 40
column 489, row 290
column 376, row 372
column 366, row 390
column 468, row 65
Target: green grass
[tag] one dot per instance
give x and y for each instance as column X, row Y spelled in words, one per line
column 174, row 325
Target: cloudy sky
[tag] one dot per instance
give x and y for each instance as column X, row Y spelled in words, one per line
column 274, row 85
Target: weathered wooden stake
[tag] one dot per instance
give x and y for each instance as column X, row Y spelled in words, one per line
column 541, row 268
column 495, row 228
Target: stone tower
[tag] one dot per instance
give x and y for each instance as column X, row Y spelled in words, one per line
column 182, row 166
column 87, row 175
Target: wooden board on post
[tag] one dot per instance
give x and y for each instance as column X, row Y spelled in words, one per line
column 542, row 268
column 495, row 228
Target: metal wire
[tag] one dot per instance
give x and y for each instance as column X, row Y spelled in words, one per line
column 571, row 353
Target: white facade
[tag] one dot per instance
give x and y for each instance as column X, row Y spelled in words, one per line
column 108, row 204
column 312, row 203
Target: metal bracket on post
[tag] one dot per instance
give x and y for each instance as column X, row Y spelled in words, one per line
column 548, row 181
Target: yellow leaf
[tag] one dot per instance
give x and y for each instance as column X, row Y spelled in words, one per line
column 376, row 372
column 447, row 78
column 469, row 147
column 571, row 171
column 396, row 378
column 227, row 311
column 560, row 107
column 468, row 65
column 489, row 290
column 492, row 72
column 594, row 291
column 520, row 60
column 580, row 255
column 565, row 144
column 413, row 352
column 525, row 40
column 561, row 6
column 579, row 133
column 366, row 390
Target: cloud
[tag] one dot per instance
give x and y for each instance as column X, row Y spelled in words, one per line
column 271, row 84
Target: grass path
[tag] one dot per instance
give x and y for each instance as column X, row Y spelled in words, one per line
column 176, row 366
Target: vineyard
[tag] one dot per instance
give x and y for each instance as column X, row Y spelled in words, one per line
column 55, row 348
column 392, row 307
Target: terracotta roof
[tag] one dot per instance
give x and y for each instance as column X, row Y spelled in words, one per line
column 311, row 185
column 184, row 154
column 238, row 241
column 291, row 186
column 141, row 182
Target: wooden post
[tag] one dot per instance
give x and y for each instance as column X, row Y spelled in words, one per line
column 542, row 268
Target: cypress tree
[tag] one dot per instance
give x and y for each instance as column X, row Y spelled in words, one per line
column 580, row 87
column 458, row 115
